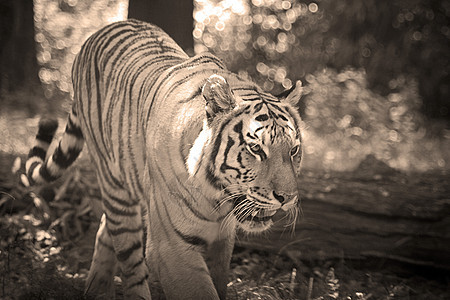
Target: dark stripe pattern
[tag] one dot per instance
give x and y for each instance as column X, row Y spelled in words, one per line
column 139, row 107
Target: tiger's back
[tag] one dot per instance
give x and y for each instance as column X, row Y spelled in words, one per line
column 122, row 77
column 185, row 152
column 114, row 77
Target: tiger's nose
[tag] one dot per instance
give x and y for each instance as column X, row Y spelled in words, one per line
column 287, row 200
column 279, row 196
column 284, row 198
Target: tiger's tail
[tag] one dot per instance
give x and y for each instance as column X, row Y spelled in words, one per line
column 40, row 170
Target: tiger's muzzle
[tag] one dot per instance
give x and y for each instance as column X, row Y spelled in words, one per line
column 258, row 213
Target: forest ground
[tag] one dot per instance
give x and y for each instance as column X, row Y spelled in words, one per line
column 47, row 242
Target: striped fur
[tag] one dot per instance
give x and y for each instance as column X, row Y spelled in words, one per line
column 185, row 152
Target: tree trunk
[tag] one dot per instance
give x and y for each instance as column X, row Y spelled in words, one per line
column 18, row 64
column 173, row 16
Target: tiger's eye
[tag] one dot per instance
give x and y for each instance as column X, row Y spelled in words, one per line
column 294, row 150
column 255, row 149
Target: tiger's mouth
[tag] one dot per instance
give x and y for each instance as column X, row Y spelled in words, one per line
column 261, row 216
column 250, row 217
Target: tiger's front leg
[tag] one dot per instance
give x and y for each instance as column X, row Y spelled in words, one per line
column 182, row 271
column 185, row 265
column 218, row 260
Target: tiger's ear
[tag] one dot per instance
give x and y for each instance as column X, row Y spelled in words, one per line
column 293, row 95
column 218, row 96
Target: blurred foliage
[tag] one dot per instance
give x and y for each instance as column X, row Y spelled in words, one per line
column 347, row 121
column 365, row 66
column 61, row 28
column 277, row 41
column 361, row 63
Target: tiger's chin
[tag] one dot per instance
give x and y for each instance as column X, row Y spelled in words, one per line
column 255, row 226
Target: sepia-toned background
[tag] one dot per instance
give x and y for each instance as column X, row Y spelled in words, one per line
column 376, row 112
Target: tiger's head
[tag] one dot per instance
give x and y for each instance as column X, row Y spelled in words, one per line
column 252, row 143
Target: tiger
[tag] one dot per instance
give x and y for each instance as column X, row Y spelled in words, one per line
column 186, row 153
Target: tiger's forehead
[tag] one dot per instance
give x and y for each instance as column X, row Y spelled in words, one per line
column 269, row 121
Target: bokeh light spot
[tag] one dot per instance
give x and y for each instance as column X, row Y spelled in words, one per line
column 313, row 7
column 220, row 26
